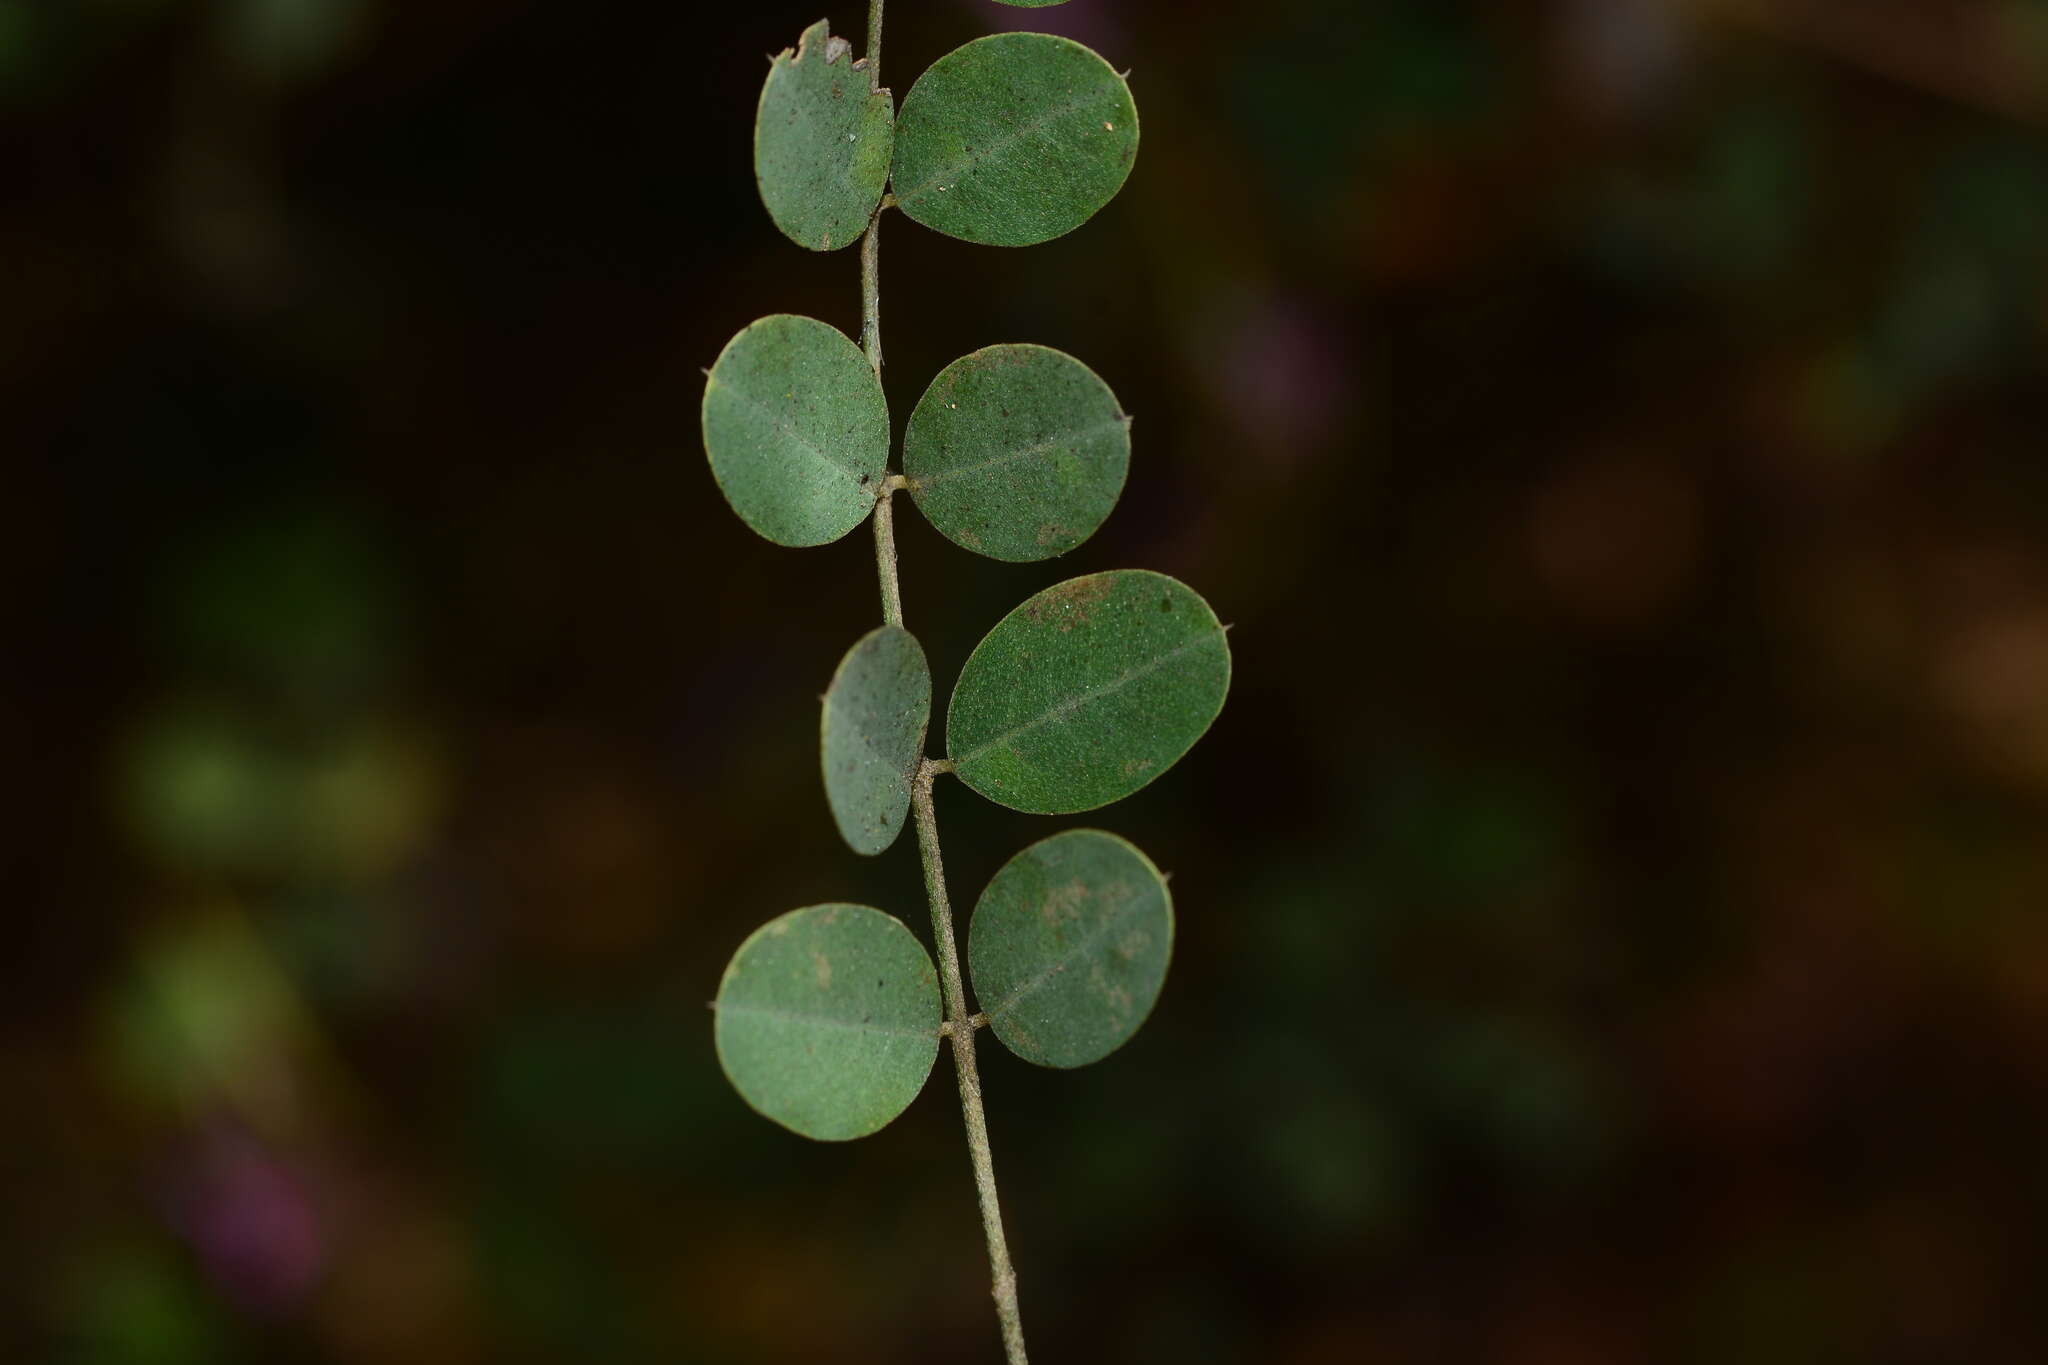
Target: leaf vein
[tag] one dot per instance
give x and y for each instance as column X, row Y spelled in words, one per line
column 1002, row 143
column 1011, row 457
column 1066, row 708
column 1117, row 919
column 826, row 1020
column 780, row 427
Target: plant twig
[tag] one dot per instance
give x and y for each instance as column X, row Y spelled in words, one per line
column 874, row 52
column 960, row 1024
column 871, row 291
column 1003, row 1278
column 871, row 241
column 885, row 555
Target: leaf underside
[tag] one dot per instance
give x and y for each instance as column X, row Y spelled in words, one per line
column 828, row 1020
column 1017, row 452
column 1069, row 947
column 1013, row 139
column 871, row 735
column 822, row 142
column 1087, row 692
column 796, row 429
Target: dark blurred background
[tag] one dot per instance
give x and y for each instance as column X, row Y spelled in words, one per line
column 1611, row 904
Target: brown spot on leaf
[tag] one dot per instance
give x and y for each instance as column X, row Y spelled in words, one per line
column 1064, row 903
column 1072, row 603
column 823, row 966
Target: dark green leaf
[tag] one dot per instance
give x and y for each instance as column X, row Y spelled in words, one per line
column 1013, row 139
column 828, row 1020
column 1017, row 452
column 797, row 430
column 872, row 735
column 822, row 142
column 1069, row 947
column 1087, row 692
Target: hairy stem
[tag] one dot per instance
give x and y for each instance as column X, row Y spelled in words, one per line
column 885, row 554
column 871, row 241
column 874, row 53
column 960, row 1025
column 871, row 291
column 1003, row 1279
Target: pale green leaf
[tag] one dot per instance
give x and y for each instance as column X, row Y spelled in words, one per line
column 1087, row 691
column 822, row 142
column 1069, row 946
column 828, row 1020
column 1013, row 139
column 1017, row 452
column 871, row 736
column 797, row 430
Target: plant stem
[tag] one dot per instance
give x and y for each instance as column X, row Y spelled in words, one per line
column 871, row 291
column 871, row 242
column 1003, row 1279
column 871, row 342
column 885, row 553
column 874, row 53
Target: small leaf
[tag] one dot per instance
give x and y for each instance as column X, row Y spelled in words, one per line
column 828, row 1020
column 1069, row 947
column 1013, row 139
column 822, row 142
column 872, row 735
column 1017, row 452
column 1087, row 692
column 797, row 430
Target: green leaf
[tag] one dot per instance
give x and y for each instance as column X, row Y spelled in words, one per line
column 1087, row 692
column 797, row 430
column 1017, row 452
column 828, row 1020
column 872, row 735
column 1013, row 139
column 822, row 142
column 1031, row 4
column 1069, row 945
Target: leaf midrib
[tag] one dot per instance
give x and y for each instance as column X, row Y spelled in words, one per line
column 1116, row 920
column 785, row 427
column 1001, row 144
column 847, row 728
column 799, row 1017
column 1075, row 437
column 1074, row 704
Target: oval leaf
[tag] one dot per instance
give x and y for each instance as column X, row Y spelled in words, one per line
column 1087, row 692
column 1069, row 947
column 1013, row 139
column 797, row 430
column 1017, row 452
column 828, row 1020
column 872, row 735
column 822, row 142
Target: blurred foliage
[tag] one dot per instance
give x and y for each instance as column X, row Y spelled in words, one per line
column 1609, row 907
